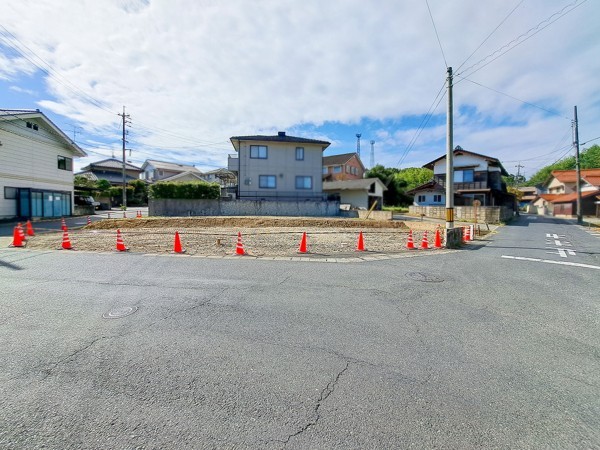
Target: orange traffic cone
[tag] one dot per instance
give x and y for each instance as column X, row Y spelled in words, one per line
column 66, row 243
column 360, row 245
column 177, row 244
column 30, row 229
column 466, row 233
column 438, row 239
column 21, row 232
column 410, row 244
column 17, row 240
column 239, row 248
column 425, row 242
column 89, row 221
column 302, row 248
column 138, row 215
column 63, row 224
column 120, row 245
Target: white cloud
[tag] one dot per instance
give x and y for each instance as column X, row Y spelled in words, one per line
column 208, row 70
column 22, row 91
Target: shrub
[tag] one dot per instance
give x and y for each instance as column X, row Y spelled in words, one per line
column 185, row 190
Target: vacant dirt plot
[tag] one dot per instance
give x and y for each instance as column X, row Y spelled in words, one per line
column 261, row 236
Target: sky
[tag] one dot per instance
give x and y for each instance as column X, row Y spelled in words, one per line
column 193, row 73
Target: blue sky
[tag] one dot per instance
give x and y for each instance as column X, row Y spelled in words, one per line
column 194, row 73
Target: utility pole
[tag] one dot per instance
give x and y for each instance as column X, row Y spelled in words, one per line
column 449, row 156
column 519, row 167
column 126, row 121
column 358, row 135
column 577, row 167
column 372, row 154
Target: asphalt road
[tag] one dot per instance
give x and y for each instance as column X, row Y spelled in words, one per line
column 497, row 346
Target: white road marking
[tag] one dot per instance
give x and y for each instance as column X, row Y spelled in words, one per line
column 549, row 261
column 555, row 236
column 562, row 252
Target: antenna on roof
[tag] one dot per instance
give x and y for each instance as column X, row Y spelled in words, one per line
column 372, row 154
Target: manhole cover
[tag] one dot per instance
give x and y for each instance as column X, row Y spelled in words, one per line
column 117, row 313
column 424, row 277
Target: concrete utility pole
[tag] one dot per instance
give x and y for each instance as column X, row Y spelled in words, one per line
column 519, row 167
column 449, row 157
column 125, row 118
column 577, row 167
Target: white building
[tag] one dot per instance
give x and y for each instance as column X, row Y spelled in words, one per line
column 36, row 166
column 153, row 170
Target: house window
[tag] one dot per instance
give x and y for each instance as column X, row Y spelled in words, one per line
column 258, row 151
column 421, row 199
column 299, row 153
column 463, row 176
column 303, row 182
column 267, row 181
column 437, row 198
column 10, row 193
column 337, row 169
column 348, row 168
column 324, row 170
column 65, row 163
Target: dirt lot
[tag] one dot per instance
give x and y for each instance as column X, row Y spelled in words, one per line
column 261, row 236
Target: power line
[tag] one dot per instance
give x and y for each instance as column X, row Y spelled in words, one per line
column 525, row 36
column 590, row 140
column 423, row 124
column 24, row 51
column 11, row 40
column 515, row 98
column 436, row 33
column 490, row 35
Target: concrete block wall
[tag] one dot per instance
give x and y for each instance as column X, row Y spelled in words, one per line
column 179, row 207
column 488, row 214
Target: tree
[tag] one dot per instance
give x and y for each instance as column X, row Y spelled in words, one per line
column 412, row 177
column 589, row 159
column 139, row 195
column 82, row 181
column 392, row 196
column 398, row 181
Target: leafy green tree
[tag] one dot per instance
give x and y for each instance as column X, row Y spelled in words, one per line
column 412, row 177
column 589, row 159
column 139, row 196
column 81, row 181
column 103, row 185
column 391, row 197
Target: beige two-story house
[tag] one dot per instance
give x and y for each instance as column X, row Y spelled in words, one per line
column 279, row 167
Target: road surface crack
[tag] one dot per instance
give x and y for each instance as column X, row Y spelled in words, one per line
column 325, row 393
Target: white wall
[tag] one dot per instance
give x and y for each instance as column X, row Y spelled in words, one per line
column 439, row 167
column 29, row 159
column 429, row 198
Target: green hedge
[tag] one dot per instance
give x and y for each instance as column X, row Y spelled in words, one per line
column 185, row 190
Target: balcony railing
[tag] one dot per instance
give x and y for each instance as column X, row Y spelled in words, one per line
column 464, row 186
